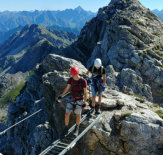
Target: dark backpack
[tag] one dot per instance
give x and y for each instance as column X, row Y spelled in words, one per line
column 94, row 68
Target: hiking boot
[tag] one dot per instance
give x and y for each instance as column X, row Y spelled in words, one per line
column 65, row 131
column 98, row 109
column 92, row 111
column 76, row 131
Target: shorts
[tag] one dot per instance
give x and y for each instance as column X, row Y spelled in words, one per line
column 78, row 107
column 94, row 93
column 99, row 85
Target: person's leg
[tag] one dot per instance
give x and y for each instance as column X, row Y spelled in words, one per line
column 98, row 108
column 67, row 117
column 99, row 100
column 93, row 100
column 78, row 118
column 78, row 111
column 65, row 131
column 93, row 95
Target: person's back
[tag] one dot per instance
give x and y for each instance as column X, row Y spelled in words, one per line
column 97, row 73
column 77, row 87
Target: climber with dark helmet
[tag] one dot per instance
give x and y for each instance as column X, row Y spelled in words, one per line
column 77, row 100
column 98, row 84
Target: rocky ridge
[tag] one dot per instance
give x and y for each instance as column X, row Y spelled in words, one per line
column 113, row 134
column 128, row 37
column 130, row 125
column 32, row 43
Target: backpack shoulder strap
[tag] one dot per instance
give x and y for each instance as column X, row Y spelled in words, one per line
column 101, row 69
column 92, row 69
column 80, row 82
column 72, row 81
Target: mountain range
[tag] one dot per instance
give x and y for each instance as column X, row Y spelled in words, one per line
column 158, row 13
column 72, row 18
column 128, row 38
column 69, row 20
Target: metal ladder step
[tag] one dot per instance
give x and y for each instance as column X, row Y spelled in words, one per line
column 59, row 146
column 65, row 144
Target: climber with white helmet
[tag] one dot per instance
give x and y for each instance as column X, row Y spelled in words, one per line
column 98, row 83
column 77, row 98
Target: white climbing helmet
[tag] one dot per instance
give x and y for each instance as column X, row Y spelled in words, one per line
column 97, row 62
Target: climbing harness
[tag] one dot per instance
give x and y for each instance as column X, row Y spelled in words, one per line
column 98, row 83
column 73, row 102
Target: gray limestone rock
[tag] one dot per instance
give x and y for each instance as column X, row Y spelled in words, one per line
column 122, row 34
column 130, row 79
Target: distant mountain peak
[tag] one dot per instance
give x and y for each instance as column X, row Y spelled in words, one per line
column 79, row 9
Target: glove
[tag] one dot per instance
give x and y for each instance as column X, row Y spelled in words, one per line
column 59, row 97
column 84, row 105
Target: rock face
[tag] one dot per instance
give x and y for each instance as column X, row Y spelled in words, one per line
column 124, row 37
column 129, row 133
column 21, row 139
column 125, row 34
column 114, row 132
column 9, row 81
column 129, row 126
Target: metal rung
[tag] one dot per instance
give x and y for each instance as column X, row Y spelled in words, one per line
column 63, row 144
column 59, row 146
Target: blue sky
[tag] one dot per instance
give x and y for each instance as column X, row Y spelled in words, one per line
column 92, row 5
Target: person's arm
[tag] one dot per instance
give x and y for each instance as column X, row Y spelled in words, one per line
column 85, row 95
column 87, row 72
column 66, row 90
column 104, row 79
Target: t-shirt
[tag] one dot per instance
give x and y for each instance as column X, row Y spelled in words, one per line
column 76, row 87
column 96, row 74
